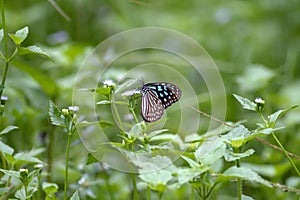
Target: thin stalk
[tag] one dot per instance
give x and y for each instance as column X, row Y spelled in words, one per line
column 148, row 192
column 134, row 115
column 67, row 166
column 286, row 154
column 39, row 186
column 117, row 114
column 192, row 193
column 5, row 48
column 135, row 191
column 239, row 180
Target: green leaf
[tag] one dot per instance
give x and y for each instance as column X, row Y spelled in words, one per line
column 1, row 34
column 157, row 180
column 4, row 190
column 34, row 50
column 154, row 133
column 104, row 90
column 49, row 188
column 20, row 35
column 105, row 124
column 191, row 162
column 28, row 157
column 273, row 118
column 188, row 174
column 48, row 85
column 56, row 116
column 8, row 129
column 232, row 156
column 4, row 148
column 15, row 174
column 136, row 131
column 21, row 194
column 75, row 196
column 91, row 159
column 246, row 103
column 210, row 156
column 237, row 137
column 243, row 173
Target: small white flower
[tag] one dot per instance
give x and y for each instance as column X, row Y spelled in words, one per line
column 4, row 98
column 73, row 108
column 37, row 166
column 109, row 83
column 131, row 92
column 259, row 100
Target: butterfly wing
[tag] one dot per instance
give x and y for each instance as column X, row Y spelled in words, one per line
column 168, row 93
column 152, row 108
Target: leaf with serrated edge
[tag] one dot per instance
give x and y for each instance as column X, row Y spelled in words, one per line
column 246, row 103
column 273, row 118
column 8, row 129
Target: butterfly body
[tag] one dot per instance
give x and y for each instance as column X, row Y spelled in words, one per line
column 156, row 97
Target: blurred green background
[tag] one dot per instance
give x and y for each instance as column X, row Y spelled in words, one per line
column 255, row 45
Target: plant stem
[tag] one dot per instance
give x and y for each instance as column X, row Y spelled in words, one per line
column 67, row 165
column 192, row 193
column 135, row 192
column 286, row 154
column 116, row 112
column 239, row 180
column 5, row 48
column 148, row 192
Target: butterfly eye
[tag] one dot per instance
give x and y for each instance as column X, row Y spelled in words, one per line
column 156, row 97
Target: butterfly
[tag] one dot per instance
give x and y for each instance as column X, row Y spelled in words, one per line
column 156, row 97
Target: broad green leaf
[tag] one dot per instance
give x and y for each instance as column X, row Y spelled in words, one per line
column 56, row 116
column 211, row 152
column 8, row 129
column 154, row 133
column 136, row 131
column 273, row 118
column 232, row 156
column 15, row 174
column 103, row 90
column 191, row 162
column 75, row 196
column 1, row 34
column 157, row 180
column 237, row 137
column 21, row 194
column 246, row 103
column 28, row 157
column 188, row 174
column 243, row 173
column 47, row 84
column 34, row 50
column 49, row 188
column 4, row 148
column 20, row 35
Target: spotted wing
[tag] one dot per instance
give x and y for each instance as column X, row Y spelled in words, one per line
column 168, row 93
column 152, row 108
